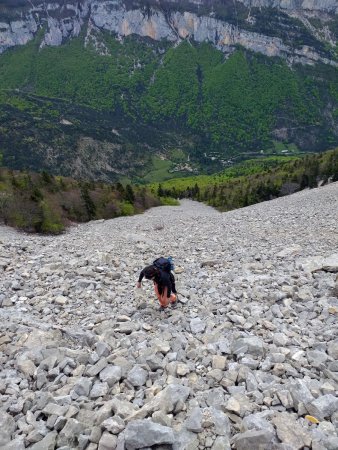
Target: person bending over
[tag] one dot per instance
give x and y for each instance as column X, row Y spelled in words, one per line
column 164, row 284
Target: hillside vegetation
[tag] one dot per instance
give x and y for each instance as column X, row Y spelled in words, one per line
column 255, row 181
column 188, row 98
column 43, row 203
column 48, row 204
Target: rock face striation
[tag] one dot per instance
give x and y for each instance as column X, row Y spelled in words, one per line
column 247, row 359
column 170, row 20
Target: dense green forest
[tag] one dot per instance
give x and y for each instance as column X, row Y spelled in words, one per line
column 255, row 181
column 190, row 98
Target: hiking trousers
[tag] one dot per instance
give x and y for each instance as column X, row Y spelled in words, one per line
column 163, row 298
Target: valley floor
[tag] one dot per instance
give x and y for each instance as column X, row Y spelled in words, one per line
column 89, row 362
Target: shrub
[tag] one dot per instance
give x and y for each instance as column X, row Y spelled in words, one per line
column 127, row 209
column 169, row 201
column 51, row 220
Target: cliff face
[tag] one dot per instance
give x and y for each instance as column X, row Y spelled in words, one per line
column 223, row 25
column 162, row 92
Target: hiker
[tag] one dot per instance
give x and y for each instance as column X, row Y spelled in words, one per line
column 164, row 281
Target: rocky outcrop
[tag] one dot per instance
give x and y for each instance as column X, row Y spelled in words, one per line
column 292, row 5
column 66, row 21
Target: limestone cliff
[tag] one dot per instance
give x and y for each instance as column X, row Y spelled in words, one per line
column 225, row 26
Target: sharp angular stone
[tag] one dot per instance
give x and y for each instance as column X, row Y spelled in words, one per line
column 107, row 442
column 83, row 386
column 194, row 421
column 96, row 369
column 253, row 440
column 137, row 376
column 290, row 432
column 252, row 345
column 300, row 393
column 99, row 390
column 70, row 433
column 323, row 407
column 221, row 443
column 145, row 433
column 47, row 443
column 7, row 427
column 111, row 375
column 197, row 325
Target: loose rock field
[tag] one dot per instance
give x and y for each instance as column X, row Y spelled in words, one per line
column 247, row 360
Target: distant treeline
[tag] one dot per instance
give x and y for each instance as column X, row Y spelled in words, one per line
column 43, row 203
column 264, row 183
column 48, row 204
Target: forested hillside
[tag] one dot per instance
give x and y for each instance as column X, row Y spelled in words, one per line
column 39, row 202
column 43, row 203
column 255, row 181
column 146, row 98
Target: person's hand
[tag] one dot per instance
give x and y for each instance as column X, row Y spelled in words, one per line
column 138, row 284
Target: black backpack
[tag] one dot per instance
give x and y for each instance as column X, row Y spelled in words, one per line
column 165, row 264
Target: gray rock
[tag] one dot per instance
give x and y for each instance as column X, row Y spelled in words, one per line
column 300, row 393
column 83, row 441
column 219, row 420
column 26, row 366
column 290, row 432
column 154, row 362
column 194, row 421
column 7, row 428
column 16, row 444
column 186, row 440
column 253, row 439
column 323, row 407
column 221, row 443
column 252, row 345
column 83, row 386
column 257, row 421
column 114, row 424
column 70, row 433
column 99, row 390
column 96, row 369
column 137, row 376
column 197, row 325
column 225, row 346
column 95, row 434
column 102, row 349
column 54, row 409
column 107, row 442
column 145, row 433
column 171, row 395
column 332, row 349
column 111, row 375
column 125, row 327
column 122, row 408
column 47, row 443
column 330, row 264
column 280, row 339
column 161, row 418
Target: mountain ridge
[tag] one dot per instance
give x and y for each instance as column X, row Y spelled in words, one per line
column 168, row 20
column 198, row 82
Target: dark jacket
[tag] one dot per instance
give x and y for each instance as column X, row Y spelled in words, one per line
column 161, row 278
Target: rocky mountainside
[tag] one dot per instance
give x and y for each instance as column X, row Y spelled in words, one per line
column 117, row 87
column 225, row 24
column 247, row 359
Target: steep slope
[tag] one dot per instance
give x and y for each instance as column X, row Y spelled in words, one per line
column 207, row 79
column 248, row 354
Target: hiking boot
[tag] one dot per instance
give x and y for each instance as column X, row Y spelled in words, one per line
column 162, row 308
